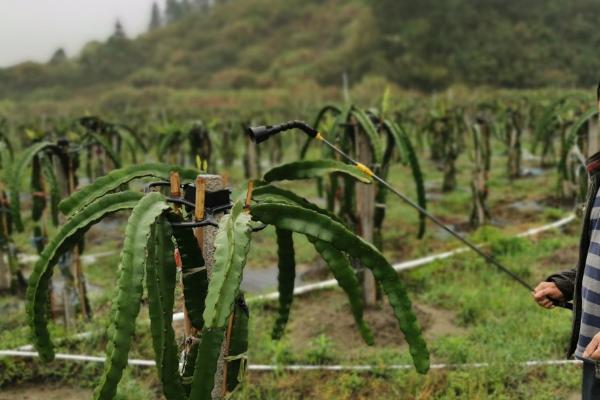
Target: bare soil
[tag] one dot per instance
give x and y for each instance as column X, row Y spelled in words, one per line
column 560, row 260
column 328, row 313
column 45, row 392
column 508, row 212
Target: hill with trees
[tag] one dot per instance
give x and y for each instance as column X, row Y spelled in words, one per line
column 261, row 44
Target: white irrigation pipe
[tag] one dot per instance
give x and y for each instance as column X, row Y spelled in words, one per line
column 366, row 368
column 403, row 266
column 554, row 225
column 72, row 357
column 294, row 367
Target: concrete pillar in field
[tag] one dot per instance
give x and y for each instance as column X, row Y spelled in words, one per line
column 206, row 239
column 65, row 286
column 514, row 148
column 5, row 275
column 5, row 271
column 365, row 207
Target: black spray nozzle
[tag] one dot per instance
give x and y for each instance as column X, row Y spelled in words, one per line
column 259, row 134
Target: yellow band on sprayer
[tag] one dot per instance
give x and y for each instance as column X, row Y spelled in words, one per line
column 364, row 168
column 319, row 136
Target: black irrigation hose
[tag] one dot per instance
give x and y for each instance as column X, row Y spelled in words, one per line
column 262, row 133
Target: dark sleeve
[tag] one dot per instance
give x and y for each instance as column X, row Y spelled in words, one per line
column 565, row 281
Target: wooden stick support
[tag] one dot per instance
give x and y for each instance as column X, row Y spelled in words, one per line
column 249, row 195
column 175, row 182
column 200, row 195
column 175, row 189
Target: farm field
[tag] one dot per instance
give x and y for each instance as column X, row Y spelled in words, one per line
column 470, row 313
column 299, row 199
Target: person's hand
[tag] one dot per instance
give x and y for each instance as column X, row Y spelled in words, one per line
column 592, row 351
column 546, row 291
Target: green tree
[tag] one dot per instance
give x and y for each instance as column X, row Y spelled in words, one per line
column 202, row 4
column 434, row 44
column 174, row 10
column 119, row 32
column 59, row 56
column 155, row 18
column 186, row 7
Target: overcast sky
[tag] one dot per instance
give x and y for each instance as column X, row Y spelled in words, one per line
column 33, row 29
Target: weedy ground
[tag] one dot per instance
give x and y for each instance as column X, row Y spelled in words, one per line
column 470, row 312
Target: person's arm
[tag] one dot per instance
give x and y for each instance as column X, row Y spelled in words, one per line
column 559, row 286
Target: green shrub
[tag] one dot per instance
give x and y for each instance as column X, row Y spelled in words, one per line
column 452, row 349
column 509, row 246
column 145, row 77
column 320, row 351
column 233, row 78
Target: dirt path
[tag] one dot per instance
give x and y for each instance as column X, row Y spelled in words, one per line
column 44, row 392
